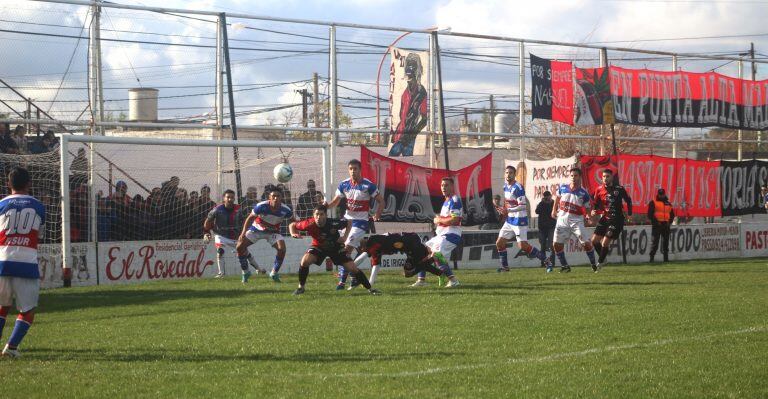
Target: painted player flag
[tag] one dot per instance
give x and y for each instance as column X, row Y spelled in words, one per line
column 594, row 104
column 552, row 90
column 412, row 193
column 408, row 102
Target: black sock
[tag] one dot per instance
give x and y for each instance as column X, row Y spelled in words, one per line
column 598, row 247
column 362, row 279
column 303, row 273
column 603, row 254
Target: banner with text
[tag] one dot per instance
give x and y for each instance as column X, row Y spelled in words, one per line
column 552, row 90
column 688, row 99
column 540, row 176
column 740, row 183
column 693, row 187
column 412, row 193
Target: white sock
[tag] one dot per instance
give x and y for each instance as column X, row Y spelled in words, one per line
column 220, row 264
column 372, row 277
column 252, row 261
column 361, row 258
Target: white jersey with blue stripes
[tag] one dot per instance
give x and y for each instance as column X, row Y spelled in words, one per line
column 515, row 202
column 21, row 218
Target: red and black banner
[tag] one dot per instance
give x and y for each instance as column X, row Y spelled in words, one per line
column 552, row 90
column 688, row 99
column 412, row 193
column 695, row 188
column 594, row 104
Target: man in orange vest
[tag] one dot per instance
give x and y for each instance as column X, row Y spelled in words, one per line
column 661, row 214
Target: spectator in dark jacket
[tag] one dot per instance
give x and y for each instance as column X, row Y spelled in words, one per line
column 546, row 223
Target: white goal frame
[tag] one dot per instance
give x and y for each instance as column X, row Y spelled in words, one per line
column 66, row 241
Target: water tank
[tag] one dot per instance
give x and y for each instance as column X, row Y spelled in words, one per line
column 505, row 123
column 142, row 105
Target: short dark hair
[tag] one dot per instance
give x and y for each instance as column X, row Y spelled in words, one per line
column 229, row 191
column 355, row 162
column 19, row 178
column 447, row 178
column 606, row 170
column 276, row 191
column 577, row 170
column 321, row 207
column 547, row 194
column 511, row 167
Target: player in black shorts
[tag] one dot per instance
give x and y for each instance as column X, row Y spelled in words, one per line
column 608, row 204
column 419, row 257
column 326, row 243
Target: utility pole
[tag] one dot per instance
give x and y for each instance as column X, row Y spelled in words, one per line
column 466, row 117
column 305, row 95
column 491, row 116
column 754, row 76
column 316, row 99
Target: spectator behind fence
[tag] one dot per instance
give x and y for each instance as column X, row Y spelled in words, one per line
column 20, row 137
column 7, row 144
column 123, row 210
column 46, row 143
column 78, row 171
column 546, row 224
column 307, row 202
column 496, row 223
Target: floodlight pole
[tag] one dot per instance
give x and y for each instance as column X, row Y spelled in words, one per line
column 231, row 95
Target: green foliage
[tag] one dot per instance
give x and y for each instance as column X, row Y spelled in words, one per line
column 695, row 329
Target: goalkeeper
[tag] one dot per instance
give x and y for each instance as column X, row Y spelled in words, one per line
column 224, row 221
column 419, row 257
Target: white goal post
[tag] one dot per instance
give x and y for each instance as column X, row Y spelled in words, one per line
column 315, row 160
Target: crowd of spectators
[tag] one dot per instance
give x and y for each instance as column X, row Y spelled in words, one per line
column 15, row 141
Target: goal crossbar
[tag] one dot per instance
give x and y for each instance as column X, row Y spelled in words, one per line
column 66, row 238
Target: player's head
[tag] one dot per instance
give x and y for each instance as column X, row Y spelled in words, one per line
column 18, row 180
column 661, row 195
column 355, row 168
column 275, row 198
column 413, row 69
column 228, row 198
column 320, row 214
column 575, row 176
column 509, row 174
column 446, row 186
column 607, row 176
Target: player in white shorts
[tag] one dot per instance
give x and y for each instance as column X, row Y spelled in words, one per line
column 21, row 217
column 516, row 225
column 224, row 222
column 447, row 234
column 571, row 204
column 359, row 193
column 263, row 223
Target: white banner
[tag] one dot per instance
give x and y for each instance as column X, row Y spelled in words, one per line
column 408, row 101
column 540, row 176
column 754, row 237
column 83, row 265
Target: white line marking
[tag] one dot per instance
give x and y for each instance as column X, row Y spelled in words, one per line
column 541, row 359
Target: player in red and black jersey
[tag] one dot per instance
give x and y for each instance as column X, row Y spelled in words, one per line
column 609, row 199
column 419, row 257
column 326, row 243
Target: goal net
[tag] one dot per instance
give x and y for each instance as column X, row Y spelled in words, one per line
column 162, row 189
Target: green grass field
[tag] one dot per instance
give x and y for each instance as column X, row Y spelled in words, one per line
column 695, row 329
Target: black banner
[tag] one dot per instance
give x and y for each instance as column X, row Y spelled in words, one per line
column 740, row 183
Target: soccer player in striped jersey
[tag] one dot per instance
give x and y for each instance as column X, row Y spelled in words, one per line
column 224, row 221
column 21, row 218
column 359, row 193
column 516, row 225
column 571, row 204
column 263, row 223
column 447, row 234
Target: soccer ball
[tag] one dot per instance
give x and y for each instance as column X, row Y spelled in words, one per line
column 283, row 172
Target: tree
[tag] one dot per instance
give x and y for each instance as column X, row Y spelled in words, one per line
column 563, row 148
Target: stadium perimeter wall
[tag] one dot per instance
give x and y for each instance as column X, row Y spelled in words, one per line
column 140, row 261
